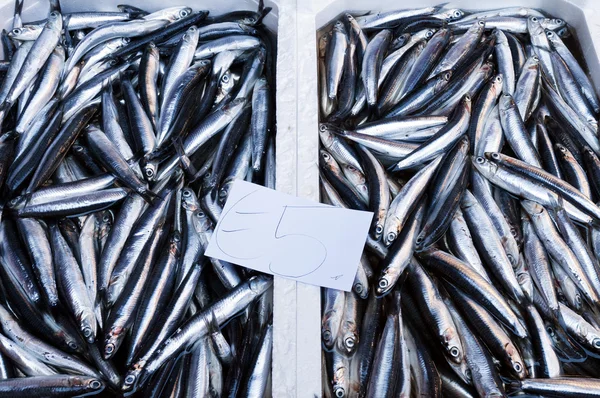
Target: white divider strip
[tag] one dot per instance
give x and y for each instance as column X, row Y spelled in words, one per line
column 296, row 307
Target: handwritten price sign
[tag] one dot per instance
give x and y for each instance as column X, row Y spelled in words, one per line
column 290, row 237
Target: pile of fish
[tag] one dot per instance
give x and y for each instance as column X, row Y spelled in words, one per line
column 473, row 138
column 121, row 135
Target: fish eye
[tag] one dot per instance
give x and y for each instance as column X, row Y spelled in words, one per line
column 359, row 288
column 419, row 239
column 349, row 342
column 481, row 23
column 517, row 367
column 467, row 97
column 326, row 335
column 534, row 19
column 87, row 332
column 495, row 155
column 54, row 14
column 429, row 34
column 578, row 299
column 184, row 13
column 596, row 343
column 326, row 156
column 480, row 160
column 383, row 283
column 72, row 345
column 130, row 379
column 379, row 229
column 186, row 193
column 447, row 76
column 109, row 349
column 225, row 79
column 457, row 13
column 149, row 172
column 550, row 330
column 391, row 237
column 455, row 352
column 549, row 33
column 559, row 21
column 323, row 128
column 200, row 214
column 17, row 31
column 340, row 392
column 95, row 384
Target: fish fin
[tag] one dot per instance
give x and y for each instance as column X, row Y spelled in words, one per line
column 263, row 13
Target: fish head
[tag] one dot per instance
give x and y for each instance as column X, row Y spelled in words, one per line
column 339, row 27
column 88, row 325
column 506, row 102
column 563, row 151
column 327, row 161
column 390, row 233
column 553, row 37
column 327, row 334
column 454, row 14
column 517, row 367
column 326, row 134
column 442, row 80
column 150, row 171
column 361, row 290
column 339, row 391
column 385, row 284
column 484, row 166
column 189, row 200
column 427, row 34
column 354, row 174
column 349, row 342
column 260, row 283
column 533, row 62
column 563, row 32
column 94, row 385
column 25, row 32
column 202, row 222
column 554, row 23
column 18, row 202
column 190, row 35
column 534, row 27
column 497, row 82
column 55, row 21
column 453, row 346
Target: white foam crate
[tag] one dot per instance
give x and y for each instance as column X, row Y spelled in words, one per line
column 293, row 302
column 312, row 15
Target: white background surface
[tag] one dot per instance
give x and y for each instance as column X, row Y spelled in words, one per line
column 297, row 347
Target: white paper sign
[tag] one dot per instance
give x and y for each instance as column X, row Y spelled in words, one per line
column 290, row 237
